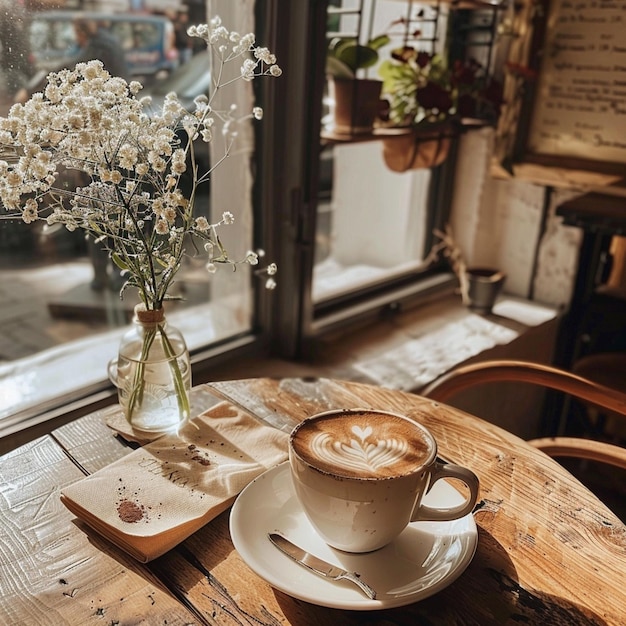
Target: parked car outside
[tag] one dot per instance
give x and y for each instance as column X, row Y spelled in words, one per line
column 190, row 80
column 148, row 41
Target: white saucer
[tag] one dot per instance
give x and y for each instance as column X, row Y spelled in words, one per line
column 425, row 558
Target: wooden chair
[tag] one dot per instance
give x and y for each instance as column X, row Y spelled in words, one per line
column 576, row 386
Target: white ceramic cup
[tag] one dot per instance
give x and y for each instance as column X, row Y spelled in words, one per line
column 360, row 476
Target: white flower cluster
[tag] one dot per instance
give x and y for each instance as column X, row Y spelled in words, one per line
column 132, row 162
column 230, row 44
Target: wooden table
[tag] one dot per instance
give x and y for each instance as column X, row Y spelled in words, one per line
column 548, row 551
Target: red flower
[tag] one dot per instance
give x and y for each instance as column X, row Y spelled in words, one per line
column 465, row 73
column 423, row 59
column 404, row 54
column 434, row 97
column 522, row 71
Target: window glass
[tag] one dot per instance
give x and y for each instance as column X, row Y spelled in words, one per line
column 375, row 230
column 62, row 316
column 372, row 231
column 123, row 32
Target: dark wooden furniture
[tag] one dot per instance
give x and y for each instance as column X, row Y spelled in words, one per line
column 600, row 216
column 593, row 323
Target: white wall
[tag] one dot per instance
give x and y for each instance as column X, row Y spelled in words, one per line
column 364, row 187
column 499, row 223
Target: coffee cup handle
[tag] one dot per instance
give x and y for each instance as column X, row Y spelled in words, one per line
column 424, row 513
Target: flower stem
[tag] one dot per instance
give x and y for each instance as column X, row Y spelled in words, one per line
column 139, row 381
column 179, row 384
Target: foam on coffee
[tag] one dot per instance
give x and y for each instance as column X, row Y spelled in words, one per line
column 362, row 444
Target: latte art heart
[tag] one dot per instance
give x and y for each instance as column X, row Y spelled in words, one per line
column 359, row 454
column 362, row 444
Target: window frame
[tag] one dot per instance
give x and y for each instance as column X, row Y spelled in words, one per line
column 288, row 174
column 286, row 322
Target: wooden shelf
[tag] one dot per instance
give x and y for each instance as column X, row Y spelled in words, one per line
column 329, row 136
column 456, row 127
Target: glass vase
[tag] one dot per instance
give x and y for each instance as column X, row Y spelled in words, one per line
column 152, row 373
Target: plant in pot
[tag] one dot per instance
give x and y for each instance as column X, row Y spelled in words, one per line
column 479, row 286
column 356, row 100
column 428, row 96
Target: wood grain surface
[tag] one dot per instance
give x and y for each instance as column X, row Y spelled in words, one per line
column 549, row 552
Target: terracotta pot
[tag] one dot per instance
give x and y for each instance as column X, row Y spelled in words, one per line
column 417, row 149
column 357, row 104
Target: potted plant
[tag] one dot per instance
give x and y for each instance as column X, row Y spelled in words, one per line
column 356, row 100
column 426, row 95
column 479, row 286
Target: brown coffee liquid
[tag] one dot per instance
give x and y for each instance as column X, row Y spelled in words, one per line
column 362, row 444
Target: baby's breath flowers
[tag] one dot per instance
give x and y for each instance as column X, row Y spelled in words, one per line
column 133, row 202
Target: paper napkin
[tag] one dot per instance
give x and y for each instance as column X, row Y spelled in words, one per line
column 158, row 495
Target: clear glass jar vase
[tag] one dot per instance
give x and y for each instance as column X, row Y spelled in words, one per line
column 152, row 373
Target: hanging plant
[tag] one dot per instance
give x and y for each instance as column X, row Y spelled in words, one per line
column 426, row 96
column 424, row 146
column 421, row 89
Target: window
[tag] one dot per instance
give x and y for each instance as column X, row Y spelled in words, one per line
column 377, row 232
column 372, row 232
column 348, row 235
column 360, row 232
column 62, row 316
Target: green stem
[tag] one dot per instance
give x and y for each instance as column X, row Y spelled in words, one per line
column 181, row 392
column 139, row 382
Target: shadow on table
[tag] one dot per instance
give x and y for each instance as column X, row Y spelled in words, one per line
column 489, row 585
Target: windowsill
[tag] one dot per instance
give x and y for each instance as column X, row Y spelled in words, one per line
column 411, row 349
column 408, row 349
column 42, row 382
column 405, row 351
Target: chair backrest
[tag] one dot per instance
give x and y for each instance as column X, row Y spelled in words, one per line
column 579, row 448
column 494, row 371
column 529, row 372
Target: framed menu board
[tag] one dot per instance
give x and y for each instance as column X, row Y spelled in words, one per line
column 570, row 105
